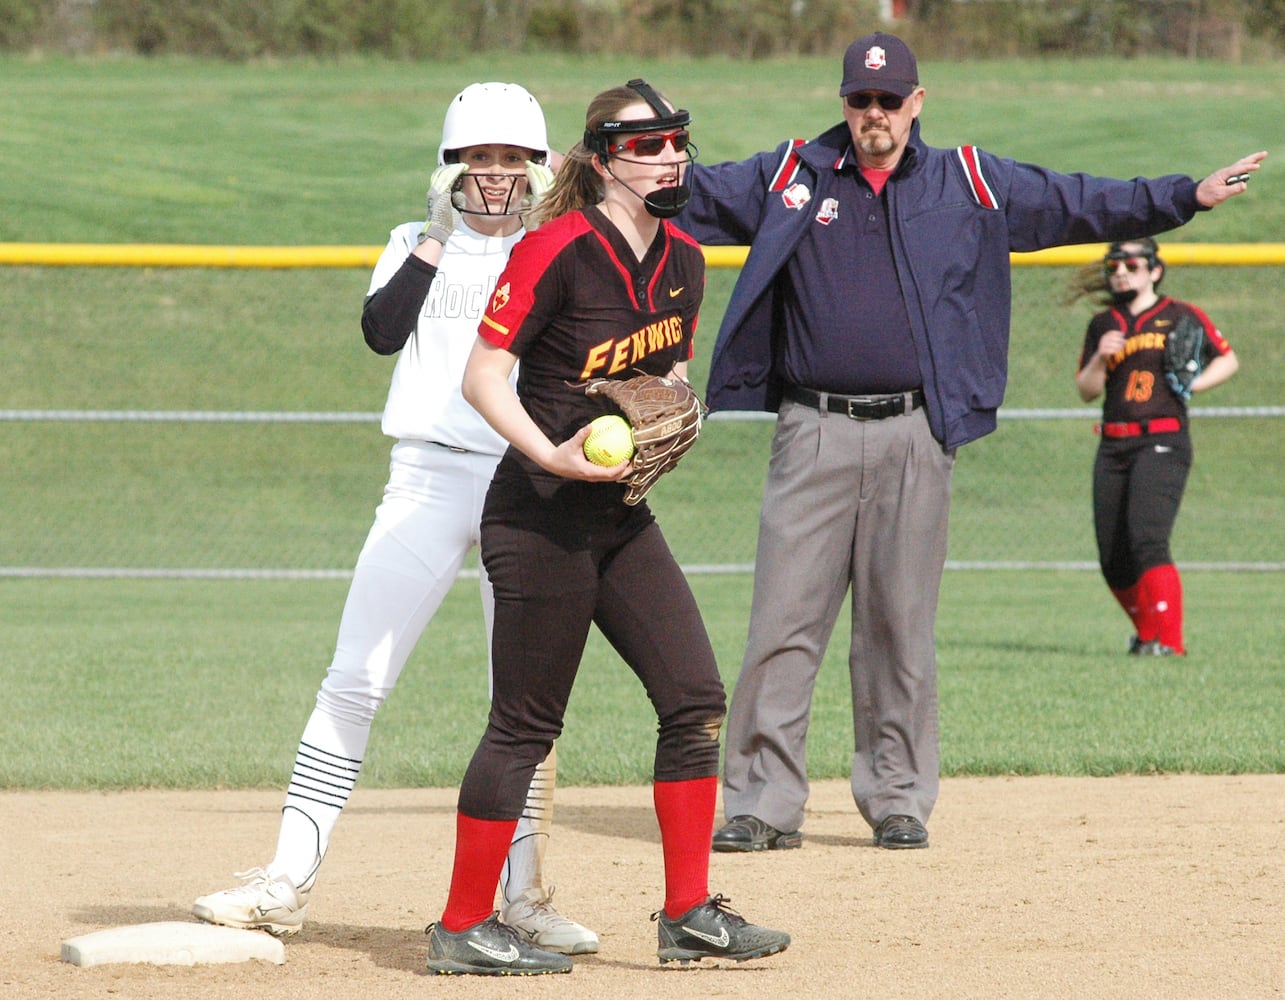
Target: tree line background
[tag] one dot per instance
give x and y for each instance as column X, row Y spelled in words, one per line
column 1237, row 30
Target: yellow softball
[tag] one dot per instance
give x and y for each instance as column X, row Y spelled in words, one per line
column 610, row 440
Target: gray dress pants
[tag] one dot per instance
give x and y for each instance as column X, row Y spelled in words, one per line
column 847, row 504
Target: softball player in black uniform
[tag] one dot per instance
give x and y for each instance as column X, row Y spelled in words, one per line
column 604, row 288
column 1145, row 454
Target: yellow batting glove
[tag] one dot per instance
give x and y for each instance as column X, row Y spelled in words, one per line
column 441, row 213
column 539, row 179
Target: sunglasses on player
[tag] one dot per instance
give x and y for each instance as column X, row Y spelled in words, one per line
column 654, row 145
column 889, row 102
column 1131, row 264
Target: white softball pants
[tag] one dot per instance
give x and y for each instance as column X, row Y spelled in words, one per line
column 424, row 528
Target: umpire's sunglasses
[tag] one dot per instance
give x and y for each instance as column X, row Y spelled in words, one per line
column 654, row 145
column 889, row 102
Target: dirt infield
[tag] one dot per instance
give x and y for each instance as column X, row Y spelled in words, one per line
column 1167, row 887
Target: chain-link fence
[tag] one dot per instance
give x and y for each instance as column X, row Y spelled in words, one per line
column 203, row 495
column 283, row 491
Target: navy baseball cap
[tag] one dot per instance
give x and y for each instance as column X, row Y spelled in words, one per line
column 879, row 62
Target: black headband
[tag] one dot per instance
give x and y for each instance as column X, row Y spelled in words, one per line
column 598, row 139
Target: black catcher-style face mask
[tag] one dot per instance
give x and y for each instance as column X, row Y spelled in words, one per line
column 606, row 140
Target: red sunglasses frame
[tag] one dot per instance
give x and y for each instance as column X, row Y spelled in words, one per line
column 680, row 139
column 1131, row 264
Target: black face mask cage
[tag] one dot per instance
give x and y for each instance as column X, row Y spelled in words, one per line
column 600, row 139
column 461, row 205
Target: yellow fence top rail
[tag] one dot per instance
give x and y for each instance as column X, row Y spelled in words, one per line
column 190, row 255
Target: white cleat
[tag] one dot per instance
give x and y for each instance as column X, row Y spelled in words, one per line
column 532, row 914
column 265, row 902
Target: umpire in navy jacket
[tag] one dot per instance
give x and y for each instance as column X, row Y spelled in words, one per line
column 872, row 314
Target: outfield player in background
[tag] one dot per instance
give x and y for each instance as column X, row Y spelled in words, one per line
column 605, row 287
column 872, row 315
column 1142, row 462
column 426, row 296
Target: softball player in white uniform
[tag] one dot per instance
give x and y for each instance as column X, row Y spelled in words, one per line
column 428, row 292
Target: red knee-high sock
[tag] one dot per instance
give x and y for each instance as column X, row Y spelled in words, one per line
column 1145, row 622
column 1128, row 598
column 1163, row 588
column 685, row 812
column 481, row 845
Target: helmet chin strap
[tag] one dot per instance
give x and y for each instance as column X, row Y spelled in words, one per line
column 663, row 203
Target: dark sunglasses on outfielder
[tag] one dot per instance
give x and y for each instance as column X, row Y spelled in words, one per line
column 889, row 102
column 654, row 145
column 1131, row 264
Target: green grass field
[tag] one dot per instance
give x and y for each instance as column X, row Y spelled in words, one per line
column 196, row 683
column 172, row 150
column 125, row 683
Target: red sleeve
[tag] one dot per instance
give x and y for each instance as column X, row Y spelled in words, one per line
column 1213, row 336
column 529, row 290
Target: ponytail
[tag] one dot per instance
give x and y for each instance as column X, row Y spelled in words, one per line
column 576, row 185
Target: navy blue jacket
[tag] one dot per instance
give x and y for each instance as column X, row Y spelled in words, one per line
column 955, row 215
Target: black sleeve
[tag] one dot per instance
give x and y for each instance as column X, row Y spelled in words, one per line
column 1098, row 325
column 388, row 316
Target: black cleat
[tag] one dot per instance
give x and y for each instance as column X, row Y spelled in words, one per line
column 1156, row 648
column 489, row 949
column 900, row 832
column 749, row 833
column 714, row 930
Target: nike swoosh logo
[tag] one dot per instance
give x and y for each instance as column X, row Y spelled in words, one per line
column 675, row 292
column 510, row 954
column 717, row 942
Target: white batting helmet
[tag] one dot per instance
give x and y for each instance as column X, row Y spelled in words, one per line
column 484, row 113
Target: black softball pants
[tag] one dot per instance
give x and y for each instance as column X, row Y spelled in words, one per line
column 562, row 555
column 1138, row 484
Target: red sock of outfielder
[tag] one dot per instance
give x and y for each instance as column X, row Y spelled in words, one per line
column 685, row 812
column 1164, row 601
column 1128, row 598
column 1145, row 622
column 481, row 845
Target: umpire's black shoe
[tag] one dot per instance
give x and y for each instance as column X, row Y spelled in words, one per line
column 749, row 833
column 714, row 930
column 489, row 949
column 900, row 832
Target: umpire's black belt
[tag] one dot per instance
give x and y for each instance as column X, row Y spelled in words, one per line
column 857, row 407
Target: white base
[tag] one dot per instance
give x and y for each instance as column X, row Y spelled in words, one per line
column 172, row 942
